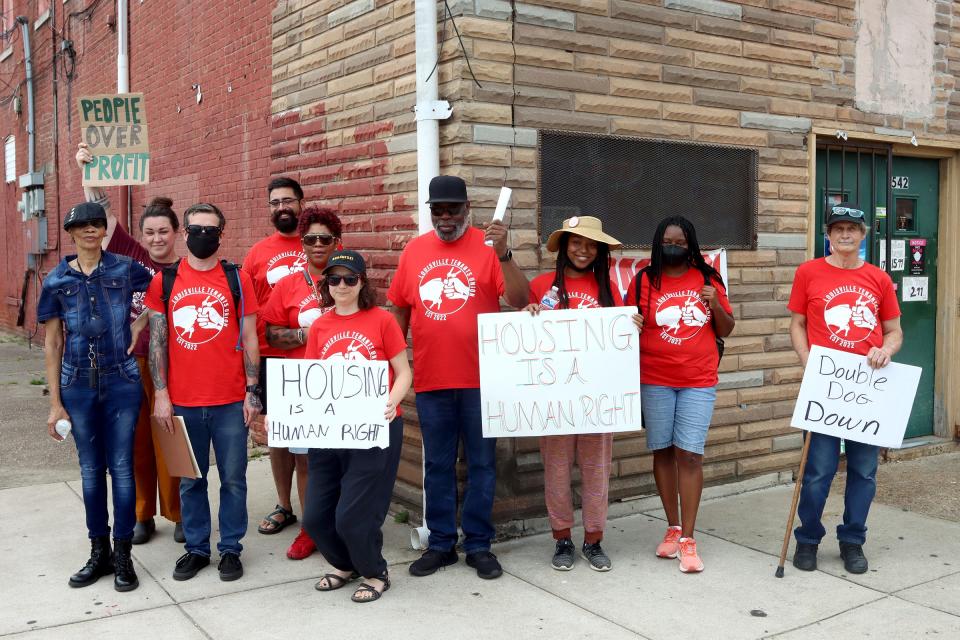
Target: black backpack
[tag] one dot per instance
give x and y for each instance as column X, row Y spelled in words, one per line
column 230, row 270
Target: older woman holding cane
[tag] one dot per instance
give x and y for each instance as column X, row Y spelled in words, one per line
column 294, row 304
column 873, row 330
column 349, row 490
column 95, row 384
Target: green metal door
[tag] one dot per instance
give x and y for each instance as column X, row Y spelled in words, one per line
column 868, row 176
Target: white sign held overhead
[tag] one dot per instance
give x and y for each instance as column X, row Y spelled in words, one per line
column 842, row 396
column 560, row 372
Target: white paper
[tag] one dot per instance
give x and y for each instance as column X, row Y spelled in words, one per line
column 915, row 289
column 841, row 396
column 898, row 254
column 560, row 372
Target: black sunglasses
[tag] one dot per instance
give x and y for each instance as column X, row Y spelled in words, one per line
column 98, row 223
column 350, row 281
column 203, row 230
column 452, row 209
column 325, row 239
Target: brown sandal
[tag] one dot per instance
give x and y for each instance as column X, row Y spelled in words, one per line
column 369, row 588
column 334, row 581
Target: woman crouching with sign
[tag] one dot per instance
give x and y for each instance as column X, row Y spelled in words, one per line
column 348, row 490
column 683, row 310
column 293, row 306
column 843, row 303
column 581, row 280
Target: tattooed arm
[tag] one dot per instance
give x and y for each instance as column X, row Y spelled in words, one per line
column 251, row 367
column 285, row 338
column 158, row 356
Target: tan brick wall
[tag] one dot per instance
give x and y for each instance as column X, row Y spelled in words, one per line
column 761, row 76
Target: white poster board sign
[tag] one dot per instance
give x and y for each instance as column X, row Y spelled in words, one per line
column 560, row 372
column 327, row 404
column 842, row 396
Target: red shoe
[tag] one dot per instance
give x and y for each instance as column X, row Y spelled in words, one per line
column 670, row 547
column 301, row 547
column 689, row 558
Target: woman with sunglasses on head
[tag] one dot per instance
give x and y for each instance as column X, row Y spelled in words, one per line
column 293, row 306
column 95, row 384
column 349, row 490
column 158, row 233
column 682, row 309
column 581, row 280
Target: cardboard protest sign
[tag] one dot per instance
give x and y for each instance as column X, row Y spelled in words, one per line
column 327, row 404
column 115, row 128
column 622, row 270
column 560, row 372
column 842, row 396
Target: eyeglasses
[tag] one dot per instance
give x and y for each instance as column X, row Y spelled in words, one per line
column 276, row 202
column 350, row 281
column 451, row 209
column 847, row 211
column 202, row 230
column 98, row 223
column 325, row 239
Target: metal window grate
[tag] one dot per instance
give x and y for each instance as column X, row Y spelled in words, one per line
column 633, row 183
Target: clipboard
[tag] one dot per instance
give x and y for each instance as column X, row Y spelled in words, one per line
column 176, row 450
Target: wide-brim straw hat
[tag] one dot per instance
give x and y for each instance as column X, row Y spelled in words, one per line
column 586, row 226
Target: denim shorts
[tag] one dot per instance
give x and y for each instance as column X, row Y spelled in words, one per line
column 678, row 416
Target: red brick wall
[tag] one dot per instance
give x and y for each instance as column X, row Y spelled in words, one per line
column 216, row 151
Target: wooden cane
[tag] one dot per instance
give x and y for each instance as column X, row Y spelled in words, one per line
column 793, row 506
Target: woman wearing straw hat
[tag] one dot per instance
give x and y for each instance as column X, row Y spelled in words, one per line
column 581, row 280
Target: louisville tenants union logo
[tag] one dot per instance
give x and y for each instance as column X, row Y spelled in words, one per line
column 199, row 315
column 850, row 313
column 681, row 315
column 445, row 287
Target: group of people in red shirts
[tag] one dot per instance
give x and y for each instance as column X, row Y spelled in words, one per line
column 299, row 294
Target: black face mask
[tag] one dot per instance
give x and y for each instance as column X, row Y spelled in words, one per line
column 674, row 255
column 286, row 223
column 203, row 246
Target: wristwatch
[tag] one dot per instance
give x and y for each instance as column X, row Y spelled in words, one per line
column 507, row 257
column 255, row 389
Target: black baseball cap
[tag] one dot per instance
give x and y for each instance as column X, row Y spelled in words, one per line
column 83, row 213
column 348, row 259
column 447, row 189
column 845, row 213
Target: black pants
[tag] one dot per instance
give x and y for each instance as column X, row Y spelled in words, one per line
column 348, row 494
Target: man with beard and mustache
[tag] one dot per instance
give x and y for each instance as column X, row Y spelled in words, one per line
column 444, row 280
column 269, row 260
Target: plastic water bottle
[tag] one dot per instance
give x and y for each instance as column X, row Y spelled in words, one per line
column 63, row 427
column 550, row 299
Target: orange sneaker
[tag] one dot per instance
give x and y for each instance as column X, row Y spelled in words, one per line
column 689, row 558
column 301, row 547
column 669, row 547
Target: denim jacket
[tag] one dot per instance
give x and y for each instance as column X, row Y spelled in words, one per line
column 74, row 297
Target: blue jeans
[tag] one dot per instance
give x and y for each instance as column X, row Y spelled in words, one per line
column 677, row 416
column 224, row 425
column 822, row 461
column 104, row 419
column 448, row 416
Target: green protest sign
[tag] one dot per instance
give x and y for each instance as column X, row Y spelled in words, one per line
column 114, row 127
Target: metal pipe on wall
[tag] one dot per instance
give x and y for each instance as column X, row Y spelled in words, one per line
column 28, row 63
column 429, row 110
column 123, row 86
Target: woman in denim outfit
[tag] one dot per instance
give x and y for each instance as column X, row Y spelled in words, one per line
column 95, row 383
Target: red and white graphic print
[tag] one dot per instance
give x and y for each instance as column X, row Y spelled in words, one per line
column 348, row 345
column 580, row 300
column 850, row 313
column 309, row 311
column 681, row 315
column 283, row 264
column 199, row 315
column 445, row 287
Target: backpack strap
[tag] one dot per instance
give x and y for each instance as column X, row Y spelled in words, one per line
column 169, row 275
column 232, row 273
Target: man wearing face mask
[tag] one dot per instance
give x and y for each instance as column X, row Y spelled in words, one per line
column 445, row 278
column 269, row 260
column 204, row 361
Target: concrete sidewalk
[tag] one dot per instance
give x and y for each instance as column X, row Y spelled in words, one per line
column 912, row 589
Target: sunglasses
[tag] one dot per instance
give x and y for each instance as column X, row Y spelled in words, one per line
column 350, row 281
column 451, row 210
column 202, row 230
column 847, row 211
column 276, row 202
column 325, row 239
column 99, row 224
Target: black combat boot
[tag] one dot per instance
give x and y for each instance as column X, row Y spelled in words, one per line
column 99, row 564
column 125, row 578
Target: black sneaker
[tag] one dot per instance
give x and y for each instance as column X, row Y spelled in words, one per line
column 188, row 565
column 598, row 559
column 486, row 564
column 805, row 556
column 853, row 559
column 432, row 560
column 230, row 567
column 564, row 555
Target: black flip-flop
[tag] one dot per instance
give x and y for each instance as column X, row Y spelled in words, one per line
column 335, row 581
column 278, row 526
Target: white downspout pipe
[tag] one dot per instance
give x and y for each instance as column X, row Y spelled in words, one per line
column 123, row 86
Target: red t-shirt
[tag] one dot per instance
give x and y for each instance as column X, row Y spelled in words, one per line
column 205, row 367
column 292, row 304
column 370, row 334
column 446, row 285
column 582, row 291
column 267, row 263
column 678, row 346
column 122, row 243
column 844, row 307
